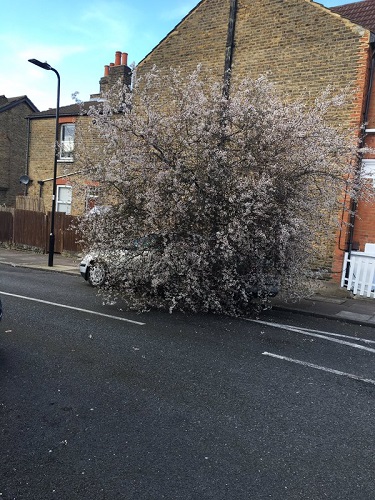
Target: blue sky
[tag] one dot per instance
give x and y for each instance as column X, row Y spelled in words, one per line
column 79, row 37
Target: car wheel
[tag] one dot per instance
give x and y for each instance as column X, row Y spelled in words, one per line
column 96, row 274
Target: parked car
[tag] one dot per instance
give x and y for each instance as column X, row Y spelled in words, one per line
column 93, row 269
column 94, row 266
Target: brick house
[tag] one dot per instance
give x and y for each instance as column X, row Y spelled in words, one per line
column 303, row 47
column 13, row 146
column 362, row 232
column 42, row 152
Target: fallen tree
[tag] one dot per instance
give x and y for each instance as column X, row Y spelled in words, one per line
column 214, row 199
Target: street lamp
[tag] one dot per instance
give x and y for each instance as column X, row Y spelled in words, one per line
column 48, row 67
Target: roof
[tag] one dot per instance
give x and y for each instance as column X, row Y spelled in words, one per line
column 75, row 109
column 10, row 102
column 362, row 13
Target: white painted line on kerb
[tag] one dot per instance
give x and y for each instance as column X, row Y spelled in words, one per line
column 323, row 368
column 73, row 308
column 309, row 333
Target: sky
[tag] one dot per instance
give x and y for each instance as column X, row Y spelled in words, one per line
column 78, row 38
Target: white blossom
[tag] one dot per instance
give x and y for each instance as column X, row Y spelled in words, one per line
column 239, row 190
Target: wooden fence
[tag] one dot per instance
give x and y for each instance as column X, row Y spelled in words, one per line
column 31, row 228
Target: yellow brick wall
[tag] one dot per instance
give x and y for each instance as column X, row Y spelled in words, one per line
column 200, row 38
column 41, row 158
column 301, row 45
column 13, row 147
column 41, row 161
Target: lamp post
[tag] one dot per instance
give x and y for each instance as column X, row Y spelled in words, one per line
column 48, row 67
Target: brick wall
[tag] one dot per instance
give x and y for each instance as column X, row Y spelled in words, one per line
column 115, row 73
column 302, row 46
column 13, row 147
column 364, row 228
column 41, row 158
column 41, row 161
column 42, row 138
column 200, row 38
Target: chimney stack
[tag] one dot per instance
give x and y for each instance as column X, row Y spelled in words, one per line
column 115, row 71
column 124, row 59
column 118, row 58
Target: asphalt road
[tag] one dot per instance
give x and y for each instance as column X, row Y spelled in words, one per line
column 97, row 402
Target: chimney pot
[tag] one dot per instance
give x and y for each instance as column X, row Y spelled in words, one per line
column 124, row 59
column 118, row 58
column 106, row 70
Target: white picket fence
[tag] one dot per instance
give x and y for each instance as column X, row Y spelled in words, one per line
column 358, row 274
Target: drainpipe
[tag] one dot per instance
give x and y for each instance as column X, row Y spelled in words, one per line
column 27, row 153
column 229, row 47
column 354, row 204
column 41, row 184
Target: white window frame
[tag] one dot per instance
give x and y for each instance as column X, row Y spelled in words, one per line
column 66, row 149
column 92, row 193
column 60, row 202
column 368, row 169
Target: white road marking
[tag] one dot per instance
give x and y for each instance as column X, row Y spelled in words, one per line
column 73, row 308
column 310, row 333
column 323, row 368
column 366, row 341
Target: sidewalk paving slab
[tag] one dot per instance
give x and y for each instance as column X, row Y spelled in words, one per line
column 22, row 258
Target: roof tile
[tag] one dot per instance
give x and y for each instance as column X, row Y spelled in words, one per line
column 362, row 13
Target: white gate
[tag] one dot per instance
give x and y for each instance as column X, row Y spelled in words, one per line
column 358, row 273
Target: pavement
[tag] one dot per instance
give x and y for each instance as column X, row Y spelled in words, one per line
column 330, row 302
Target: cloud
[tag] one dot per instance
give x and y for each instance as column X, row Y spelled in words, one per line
column 19, row 77
column 19, row 49
column 78, row 39
column 106, row 22
column 52, row 54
